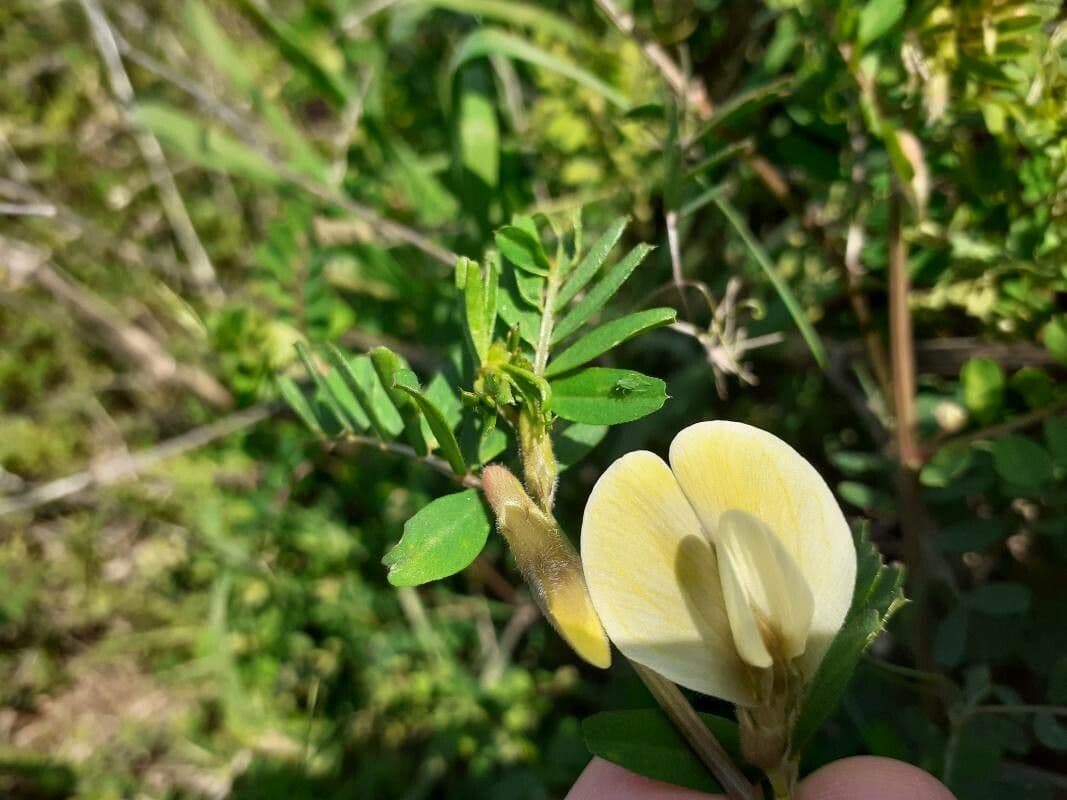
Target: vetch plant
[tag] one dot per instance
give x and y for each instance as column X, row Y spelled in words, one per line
column 512, row 395
column 732, row 572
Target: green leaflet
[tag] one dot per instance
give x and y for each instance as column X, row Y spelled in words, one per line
column 608, row 336
column 355, row 417
column 1022, row 462
column 600, row 396
column 481, row 298
column 514, row 310
column 324, row 395
column 591, row 264
column 387, row 365
column 292, row 395
column 362, row 381
column 406, row 381
column 522, row 249
column 877, row 596
column 440, row 540
column 600, row 293
column 204, row 145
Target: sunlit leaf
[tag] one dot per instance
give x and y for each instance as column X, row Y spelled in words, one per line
column 592, row 262
column 601, row 292
column 877, row 18
column 406, row 381
column 440, row 540
column 202, row 144
column 601, row 396
column 607, row 336
column 983, row 387
column 291, row 393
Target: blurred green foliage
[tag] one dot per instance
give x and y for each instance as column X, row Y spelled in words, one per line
column 221, row 625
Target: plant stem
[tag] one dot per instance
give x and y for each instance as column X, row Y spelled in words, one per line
column 548, row 319
column 784, row 780
column 200, row 266
column 696, row 733
column 908, row 452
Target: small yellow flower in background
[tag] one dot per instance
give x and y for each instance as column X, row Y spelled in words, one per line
column 728, row 572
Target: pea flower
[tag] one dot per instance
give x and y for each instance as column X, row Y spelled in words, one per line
column 728, row 572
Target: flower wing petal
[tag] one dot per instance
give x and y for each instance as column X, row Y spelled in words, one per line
column 729, row 465
column 654, row 579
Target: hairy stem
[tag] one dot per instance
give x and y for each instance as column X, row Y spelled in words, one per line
column 696, row 733
column 548, row 320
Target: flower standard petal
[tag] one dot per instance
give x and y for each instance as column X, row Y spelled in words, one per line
column 654, row 579
column 723, row 466
column 767, row 599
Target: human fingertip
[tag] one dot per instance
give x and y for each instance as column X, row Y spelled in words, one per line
column 603, row 780
column 872, row 778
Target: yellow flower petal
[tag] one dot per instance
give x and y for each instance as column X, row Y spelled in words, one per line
column 723, row 466
column 654, row 579
column 767, row 600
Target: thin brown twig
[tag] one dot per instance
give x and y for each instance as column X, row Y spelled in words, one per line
column 28, row 263
column 118, row 467
column 200, row 266
column 522, row 617
column 1000, row 429
column 674, row 247
column 909, row 453
column 432, row 461
column 902, row 344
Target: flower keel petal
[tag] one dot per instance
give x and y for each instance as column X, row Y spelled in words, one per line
column 767, row 599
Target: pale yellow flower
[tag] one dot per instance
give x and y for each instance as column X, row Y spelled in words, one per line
column 728, row 572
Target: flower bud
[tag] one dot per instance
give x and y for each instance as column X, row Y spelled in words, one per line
column 549, row 564
column 538, row 460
